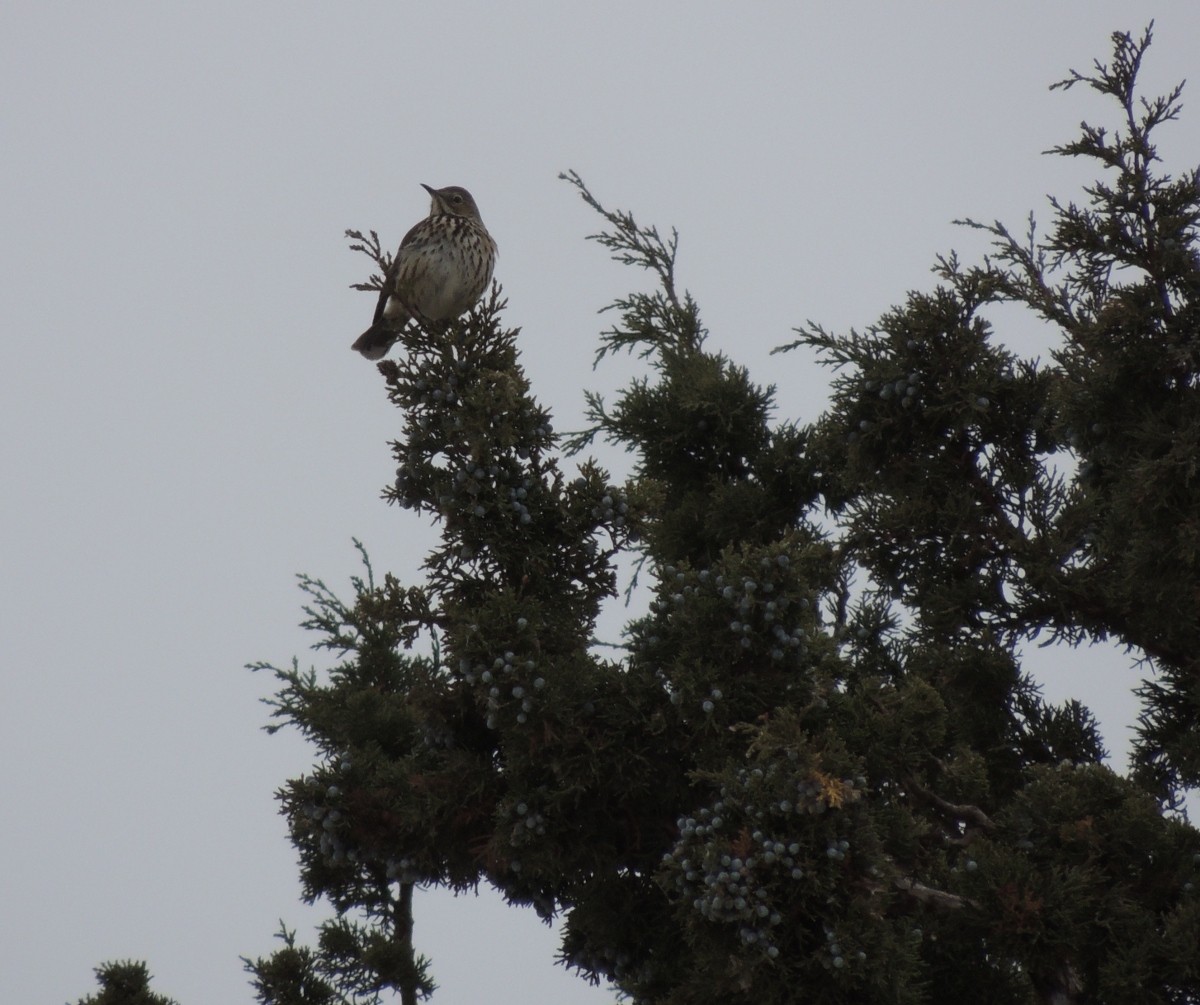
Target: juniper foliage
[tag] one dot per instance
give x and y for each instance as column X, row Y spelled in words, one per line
column 816, row 771
column 124, row 982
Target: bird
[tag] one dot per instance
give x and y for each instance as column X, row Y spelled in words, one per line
column 442, row 268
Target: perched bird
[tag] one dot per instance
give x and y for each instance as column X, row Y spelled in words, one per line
column 443, row 266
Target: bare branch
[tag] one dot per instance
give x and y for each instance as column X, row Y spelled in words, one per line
column 970, row 814
column 940, row 899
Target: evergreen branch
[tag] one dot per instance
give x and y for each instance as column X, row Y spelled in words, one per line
column 1118, row 78
column 598, row 420
column 867, row 642
column 631, row 244
column 1023, row 276
column 654, row 323
column 368, row 244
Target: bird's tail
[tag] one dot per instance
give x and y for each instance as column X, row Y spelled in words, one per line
column 374, row 342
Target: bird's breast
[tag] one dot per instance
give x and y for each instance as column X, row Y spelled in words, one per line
column 445, row 268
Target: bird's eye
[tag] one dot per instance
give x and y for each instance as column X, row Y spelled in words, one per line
column 456, row 197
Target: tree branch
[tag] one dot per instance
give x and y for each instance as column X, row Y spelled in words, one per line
column 960, row 811
column 940, row 899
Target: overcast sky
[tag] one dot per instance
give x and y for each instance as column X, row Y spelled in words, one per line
column 184, row 426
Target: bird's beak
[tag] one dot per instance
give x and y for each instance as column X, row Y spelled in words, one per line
column 432, row 192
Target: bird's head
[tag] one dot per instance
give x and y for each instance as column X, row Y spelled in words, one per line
column 453, row 200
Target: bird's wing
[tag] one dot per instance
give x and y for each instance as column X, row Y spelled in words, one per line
column 389, row 280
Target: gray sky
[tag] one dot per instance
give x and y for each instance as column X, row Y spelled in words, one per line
column 185, row 426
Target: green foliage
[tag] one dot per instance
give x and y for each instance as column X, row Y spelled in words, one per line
column 816, row 770
column 929, row 405
column 293, row 975
column 124, row 982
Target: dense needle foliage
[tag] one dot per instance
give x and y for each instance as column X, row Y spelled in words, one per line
column 816, row 770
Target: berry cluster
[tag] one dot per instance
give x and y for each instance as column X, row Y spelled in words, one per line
column 903, row 389
column 768, row 614
column 834, row 956
column 612, row 508
column 752, row 858
column 449, row 402
column 450, row 395
column 330, row 824
column 508, row 680
column 528, row 825
column 473, row 489
column 328, row 821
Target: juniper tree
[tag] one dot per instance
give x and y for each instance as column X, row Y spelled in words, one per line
column 815, row 770
column 124, row 982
